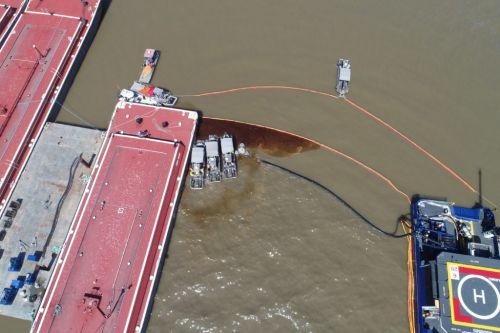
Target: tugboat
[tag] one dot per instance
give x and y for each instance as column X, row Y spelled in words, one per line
column 455, row 267
column 197, row 169
column 151, row 57
column 229, row 159
column 343, row 77
column 213, row 159
column 148, row 94
column 160, row 95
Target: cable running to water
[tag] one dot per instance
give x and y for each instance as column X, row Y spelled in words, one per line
column 345, row 203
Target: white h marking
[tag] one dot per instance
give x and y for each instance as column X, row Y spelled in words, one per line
column 476, row 296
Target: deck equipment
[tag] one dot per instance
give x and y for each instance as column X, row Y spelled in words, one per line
column 456, row 268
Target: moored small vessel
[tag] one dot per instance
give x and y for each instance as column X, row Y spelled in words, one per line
column 343, row 77
column 213, row 159
column 151, row 57
column 148, row 94
column 229, row 168
column 197, row 168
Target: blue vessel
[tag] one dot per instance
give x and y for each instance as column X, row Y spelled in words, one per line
column 455, row 268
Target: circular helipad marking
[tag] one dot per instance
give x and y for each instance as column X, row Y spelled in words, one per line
column 476, row 315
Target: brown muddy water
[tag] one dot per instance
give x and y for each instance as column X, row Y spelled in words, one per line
column 270, row 251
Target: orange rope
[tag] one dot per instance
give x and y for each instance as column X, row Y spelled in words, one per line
column 331, row 149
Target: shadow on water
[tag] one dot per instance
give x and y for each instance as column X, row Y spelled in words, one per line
column 272, row 142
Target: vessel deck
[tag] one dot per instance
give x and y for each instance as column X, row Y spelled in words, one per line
column 9, row 9
column 5, row 16
column 41, row 186
column 105, row 276
column 75, row 8
column 472, row 297
column 31, row 60
column 38, row 58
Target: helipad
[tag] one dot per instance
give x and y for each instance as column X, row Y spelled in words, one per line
column 473, row 291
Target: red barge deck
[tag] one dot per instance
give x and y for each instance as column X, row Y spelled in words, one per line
column 39, row 59
column 106, row 274
column 10, row 11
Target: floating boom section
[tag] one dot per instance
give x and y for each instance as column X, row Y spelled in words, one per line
column 213, row 159
column 39, row 59
column 105, row 275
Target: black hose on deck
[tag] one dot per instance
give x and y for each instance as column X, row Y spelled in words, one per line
column 345, row 203
column 72, row 171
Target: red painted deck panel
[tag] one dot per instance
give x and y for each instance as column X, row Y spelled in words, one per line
column 27, row 75
column 9, row 9
column 104, row 277
column 31, row 79
column 12, row 3
column 74, row 8
column 5, row 16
